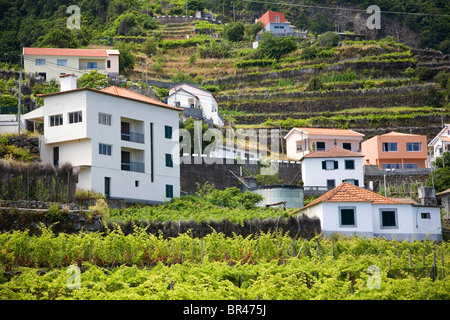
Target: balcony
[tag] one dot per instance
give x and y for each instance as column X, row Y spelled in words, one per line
column 132, row 137
column 133, row 166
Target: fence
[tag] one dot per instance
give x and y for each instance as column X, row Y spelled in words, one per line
column 35, row 181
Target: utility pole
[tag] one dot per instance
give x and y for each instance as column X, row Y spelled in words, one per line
column 186, row 9
column 19, row 111
column 234, row 13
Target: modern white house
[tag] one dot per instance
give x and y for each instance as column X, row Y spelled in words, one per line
column 440, row 143
column 125, row 144
column 301, row 141
column 352, row 210
column 190, row 97
column 50, row 63
column 332, row 167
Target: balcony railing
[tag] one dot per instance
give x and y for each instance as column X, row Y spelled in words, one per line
column 133, row 166
column 88, row 68
column 133, row 137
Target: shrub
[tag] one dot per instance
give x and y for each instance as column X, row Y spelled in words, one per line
column 329, row 39
column 315, row 83
column 274, row 47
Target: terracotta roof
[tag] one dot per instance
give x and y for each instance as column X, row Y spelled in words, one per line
column 335, row 152
column 121, row 92
column 443, row 192
column 65, row 52
column 66, row 75
column 347, row 192
column 394, row 133
column 330, row 131
column 447, row 139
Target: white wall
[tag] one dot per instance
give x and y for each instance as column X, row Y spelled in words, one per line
column 79, row 144
column 314, row 175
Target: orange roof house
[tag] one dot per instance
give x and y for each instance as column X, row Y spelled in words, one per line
column 352, row 210
column 396, row 150
column 301, row 141
column 50, row 63
column 272, row 17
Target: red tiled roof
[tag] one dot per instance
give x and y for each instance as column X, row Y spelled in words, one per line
column 269, row 17
column 65, row 52
column 335, row 152
column 347, row 192
column 120, row 92
column 330, row 131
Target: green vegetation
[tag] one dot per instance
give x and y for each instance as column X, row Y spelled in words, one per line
column 267, row 266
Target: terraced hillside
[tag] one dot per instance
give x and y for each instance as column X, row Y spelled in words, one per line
column 373, row 85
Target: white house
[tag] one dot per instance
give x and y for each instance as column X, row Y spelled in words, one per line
column 349, row 210
column 125, row 144
column 301, row 141
column 188, row 96
column 332, row 167
column 440, row 143
column 50, row 63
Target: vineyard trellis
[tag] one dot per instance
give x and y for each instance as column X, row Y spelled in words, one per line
column 23, row 181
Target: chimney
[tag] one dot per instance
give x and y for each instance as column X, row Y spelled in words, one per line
column 68, row 82
column 427, row 196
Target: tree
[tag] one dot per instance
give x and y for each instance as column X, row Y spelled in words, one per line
column 234, row 31
column 274, row 47
column 59, row 38
column 149, row 47
column 329, row 39
column 441, row 177
column 320, row 24
column 93, row 79
column 126, row 58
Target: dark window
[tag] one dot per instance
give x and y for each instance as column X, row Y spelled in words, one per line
column 56, row 120
column 136, row 183
column 169, row 191
column 107, row 187
column 75, row 117
column 347, row 146
column 104, row 149
column 169, row 162
column 168, row 132
column 331, row 184
column 108, row 63
column 425, row 215
column 320, row 146
column 347, row 217
column 104, row 118
column 56, row 156
column 349, row 164
column 388, row 218
column 389, row 146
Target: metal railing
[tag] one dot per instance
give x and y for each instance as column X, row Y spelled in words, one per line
column 132, row 136
column 133, row 166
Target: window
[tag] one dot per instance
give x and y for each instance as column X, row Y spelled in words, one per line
column 169, row 191
column 410, row 166
column 349, row 164
column 352, row 181
column 169, row 162
column 61, row 62
column 331, row 184
column 104, row 149
column 389, row 146
column 388, row 218
column 425, row 215
column 299, row 146
column 347, row 217
column 43, row 75
column 56, row 120
column 347, row 146
column 104, row 119
column 168, row 132
column 330, row 165
column 108, row 63
column 40, row 62
column 136, row 183
column 92, row 65
column 276, row 19
column 392, row 166
column 320, row 146
column 75, row 117
column 413, row 146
